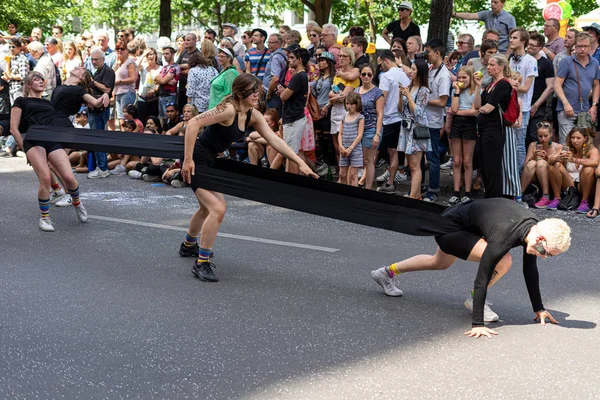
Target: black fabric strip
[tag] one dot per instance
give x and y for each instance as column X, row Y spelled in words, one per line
column 268, row 186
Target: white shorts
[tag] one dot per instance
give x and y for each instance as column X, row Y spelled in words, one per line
column 292, row 134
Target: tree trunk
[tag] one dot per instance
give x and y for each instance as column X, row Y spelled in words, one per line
column 372, row 22
column 439, row 23
column 321, row 8
column 165, row 18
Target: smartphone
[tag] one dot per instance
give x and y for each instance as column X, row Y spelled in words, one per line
column 539, row 147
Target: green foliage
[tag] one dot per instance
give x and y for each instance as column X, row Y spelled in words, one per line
column 143, row 15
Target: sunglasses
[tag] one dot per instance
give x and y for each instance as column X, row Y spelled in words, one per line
column 171, row 104
column 461, row 42
column 314, row 35
column 12, row 47
column 120, row 49
column 402, row 9
column 370, row 75
column 543, row 125
column 88, row 47
column 244, row 37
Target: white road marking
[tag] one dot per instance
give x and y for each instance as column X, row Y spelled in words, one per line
column 225, row 235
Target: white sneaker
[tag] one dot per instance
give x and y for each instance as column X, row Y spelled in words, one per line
column 81, row 213
column 118, row 170
column 98, row 173
column 448, row 164
column 64, row 201
column 386, row 282
column 21, row 154
column 400, row 176
column 454, row 200
column 57, row 195
column 176, row 183
column 135, row 174
column 46, row 224
column 488, row 314
column 384, row 177
column 361, row 171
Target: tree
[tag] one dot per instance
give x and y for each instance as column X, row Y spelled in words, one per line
column 321, row 9
column 439, row 21
column 165, row 18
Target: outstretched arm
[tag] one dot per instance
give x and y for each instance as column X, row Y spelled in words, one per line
column 261, row 126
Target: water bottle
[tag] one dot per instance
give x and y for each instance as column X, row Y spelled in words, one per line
column 329, row 174
column 264, row 162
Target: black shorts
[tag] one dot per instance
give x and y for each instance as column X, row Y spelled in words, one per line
column 390, row 136
column 463, row 127
column 458, row 244
column 48, row 146
column 203, row 157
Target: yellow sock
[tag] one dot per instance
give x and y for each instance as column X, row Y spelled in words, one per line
column 394, row 269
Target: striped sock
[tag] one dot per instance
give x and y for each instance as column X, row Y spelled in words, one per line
column 392, row 270
column 203, row 255
column 190, row 240
column 75, row 196
column 55, row 187
column 44, row 207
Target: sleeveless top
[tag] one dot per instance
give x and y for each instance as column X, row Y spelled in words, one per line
column 217, row 138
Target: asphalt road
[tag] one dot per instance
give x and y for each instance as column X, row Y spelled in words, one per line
column 109, row 310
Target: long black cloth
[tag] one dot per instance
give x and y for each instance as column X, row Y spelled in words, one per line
column 268, row 186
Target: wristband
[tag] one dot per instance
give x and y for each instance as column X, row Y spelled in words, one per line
column 457, row 95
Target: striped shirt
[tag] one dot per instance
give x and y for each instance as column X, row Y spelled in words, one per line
column 253, row 56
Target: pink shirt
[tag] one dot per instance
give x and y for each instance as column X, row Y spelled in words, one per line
column 121, row 74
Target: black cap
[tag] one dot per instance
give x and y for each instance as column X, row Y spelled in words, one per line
column 292, row 47
column 261, row 31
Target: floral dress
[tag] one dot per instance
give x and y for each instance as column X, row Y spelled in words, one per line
column 407, row 143
column 198, row 86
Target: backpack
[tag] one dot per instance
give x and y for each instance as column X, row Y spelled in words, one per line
column 532, row 195
column 512, row 112
column 569, row 199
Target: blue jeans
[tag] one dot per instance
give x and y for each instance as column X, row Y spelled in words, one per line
column 433, row 157
column 98, row 120
column 163, row 100
column 521, row 135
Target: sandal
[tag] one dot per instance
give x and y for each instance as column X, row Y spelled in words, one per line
column 592, row 214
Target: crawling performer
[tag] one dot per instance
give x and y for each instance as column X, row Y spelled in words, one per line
column 491, row 227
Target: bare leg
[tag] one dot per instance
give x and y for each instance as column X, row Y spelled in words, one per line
column 197, row 221
column 527, row 174
column 353, row 176
column 414, row 163
column 457, row 158
column 61, row 163
column 543, row 175
column 37, row 158
column 468, row 148
column 343, row 178
column 370, row 159
column 214, row 204
column 393, row 153
column 586, row 182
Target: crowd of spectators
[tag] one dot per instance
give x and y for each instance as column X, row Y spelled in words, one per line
column 410, row 107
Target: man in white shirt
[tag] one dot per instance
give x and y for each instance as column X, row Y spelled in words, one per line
column 388, row 83
column 527, row 66
column 439, row 85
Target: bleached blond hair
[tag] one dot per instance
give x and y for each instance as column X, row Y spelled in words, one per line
column 557, row 233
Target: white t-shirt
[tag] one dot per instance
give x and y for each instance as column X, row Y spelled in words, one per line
column 527, row 66
column 388, row 82
column 439, row 85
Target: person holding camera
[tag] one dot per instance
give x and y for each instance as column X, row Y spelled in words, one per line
column 411, row 106
column 574, row 165
column 536, row 165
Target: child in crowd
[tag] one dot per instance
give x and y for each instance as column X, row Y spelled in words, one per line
column 515, row 81
column 77, row 158
column 130, row 113
column 153, row 123
column 258, row 148
column 119, row 164
column 463, row 132
column 349, row 139
column 536, row 164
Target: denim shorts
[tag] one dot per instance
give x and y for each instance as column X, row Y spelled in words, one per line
column 367, row 139
column 121, row 100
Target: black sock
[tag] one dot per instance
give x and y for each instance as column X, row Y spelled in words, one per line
column 457, row 193
column 468, row 194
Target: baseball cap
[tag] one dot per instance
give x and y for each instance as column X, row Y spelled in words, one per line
column 232, row 26
column 51, row 40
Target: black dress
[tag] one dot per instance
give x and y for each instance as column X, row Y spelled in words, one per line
column 36, row 111
column 492, row 136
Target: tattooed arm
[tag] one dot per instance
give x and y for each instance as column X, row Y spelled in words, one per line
column 210, row 117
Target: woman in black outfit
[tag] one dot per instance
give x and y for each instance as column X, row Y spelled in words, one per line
column 223, row 125
column 487, row 237
column 491, row 129
column 33, row 110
